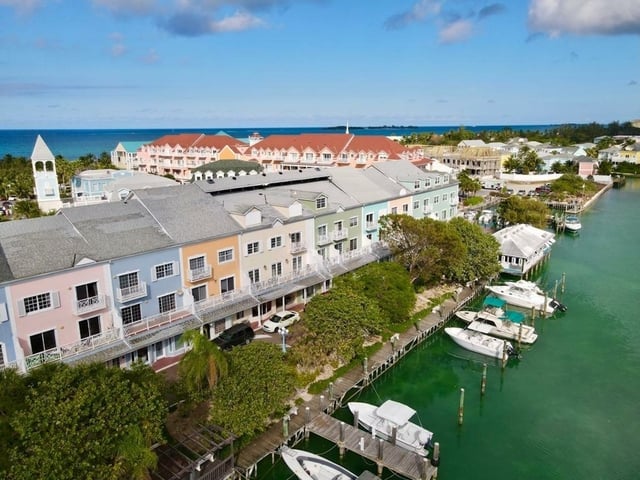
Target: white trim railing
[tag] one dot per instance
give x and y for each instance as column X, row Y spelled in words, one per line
column 220, row 300
column 281, row 279
column 200, row 273
column 90, row 304
column 159, row 320
column 131, row 293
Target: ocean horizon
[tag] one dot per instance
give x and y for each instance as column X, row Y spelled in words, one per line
column 74, row 143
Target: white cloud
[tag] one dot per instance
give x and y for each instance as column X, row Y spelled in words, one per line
column 127, row 7
column 585, row 17
column 420, row 10
column 21, row 6
column 456, row 32
column 238, row 22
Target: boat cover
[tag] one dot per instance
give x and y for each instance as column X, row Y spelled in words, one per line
column 395, row 412
column 492, row 301
column 515, row 317
column 480, row 327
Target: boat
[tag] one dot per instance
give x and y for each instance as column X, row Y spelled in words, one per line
column 492, row 307
column 481, row 343
column 572, row 223
column 309, row 466
column 381, row 422
column 505, row 329
column 527, row 295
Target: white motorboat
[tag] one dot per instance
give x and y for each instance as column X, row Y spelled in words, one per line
column 480, row 343
column 504, row 329
column 492, row 307
column 309, row 466
column 391, row 415
column 572, row 223
column 526, row 295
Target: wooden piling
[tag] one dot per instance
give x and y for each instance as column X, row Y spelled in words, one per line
column 394, row 435
column 341, row 448
column 461, row 407
column 483, row 382
column 435, row 456
column 307, row 419
column 505, row 354
column 355, row 418
column 520, row 335
column 285, row 427
column 562, row 282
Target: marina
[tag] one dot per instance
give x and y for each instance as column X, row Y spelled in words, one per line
column 568, row 408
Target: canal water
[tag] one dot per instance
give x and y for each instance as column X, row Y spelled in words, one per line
column 570, row 407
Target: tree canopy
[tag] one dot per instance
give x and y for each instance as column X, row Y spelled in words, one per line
column 257, row 387
column 515, row 209
column 89, row 421
column 388, row 284
column 202, row 366
column 429, row 249
column 482, row 252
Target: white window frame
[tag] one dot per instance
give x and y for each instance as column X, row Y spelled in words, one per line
column 53, row 300
column 174, row 270
column 167, row 296
column 275, row 242
column 223, row 254
column 226, row 279
column 321, row 202
column 252, row 248
column 254, row 275
column 131, row 307
column 276, row 270
column 353, row 222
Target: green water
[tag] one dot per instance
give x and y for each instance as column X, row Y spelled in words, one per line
column 569, row 409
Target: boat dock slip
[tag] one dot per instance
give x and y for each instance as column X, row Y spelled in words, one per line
column 385, row 454
column 296, row 424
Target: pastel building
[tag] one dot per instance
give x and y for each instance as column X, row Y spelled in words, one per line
column 120, row 282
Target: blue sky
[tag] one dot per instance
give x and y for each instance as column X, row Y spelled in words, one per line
column 271, row 63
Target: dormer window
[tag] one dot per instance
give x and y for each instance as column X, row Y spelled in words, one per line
column 416, row 185
column 321, row 203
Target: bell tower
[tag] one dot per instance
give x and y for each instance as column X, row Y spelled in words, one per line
column 45, row 177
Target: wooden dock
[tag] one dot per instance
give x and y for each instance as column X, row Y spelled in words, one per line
column 313, row 414
column 386, row 455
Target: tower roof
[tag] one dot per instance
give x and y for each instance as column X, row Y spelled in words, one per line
column 41, row 152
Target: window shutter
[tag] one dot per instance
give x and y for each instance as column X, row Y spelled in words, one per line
column 55, row 299
column 3, row 313
column 176, row 268
column 154, row 275
column 21, row 310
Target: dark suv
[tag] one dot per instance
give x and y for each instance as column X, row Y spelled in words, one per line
column 239, row 334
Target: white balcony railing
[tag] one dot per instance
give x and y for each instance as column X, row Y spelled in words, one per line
column 370, row 226
column 298, row 247
column 323, row 239
column 220, row 300
column 339, row 234
column 200, row 273
column 91, row 304
column 131, row 293
column 159, row 320
column 281, row 279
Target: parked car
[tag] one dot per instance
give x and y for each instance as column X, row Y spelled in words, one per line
column 282, row 319
column 239, row 334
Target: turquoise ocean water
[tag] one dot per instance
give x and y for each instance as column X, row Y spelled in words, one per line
column 570, row 408
column 72, row 144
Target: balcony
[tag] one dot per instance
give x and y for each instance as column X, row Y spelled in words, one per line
column 159, row 320
column 324, row 240
column 131, row 293
column 427, row 210
column 298, row 247
column 339, row 235
column 91, row 304
column 200, row 273
column 370, row 226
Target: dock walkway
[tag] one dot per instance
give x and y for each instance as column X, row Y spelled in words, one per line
column 306, row 418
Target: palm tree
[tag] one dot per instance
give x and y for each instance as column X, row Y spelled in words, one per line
column 203, row 366
column 134, row 458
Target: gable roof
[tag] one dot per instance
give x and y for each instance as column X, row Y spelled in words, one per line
column 41, row 152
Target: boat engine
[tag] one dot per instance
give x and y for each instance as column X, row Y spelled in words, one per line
column 557, row 305
column 512, row 351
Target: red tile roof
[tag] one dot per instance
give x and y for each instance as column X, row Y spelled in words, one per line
column 199, row 140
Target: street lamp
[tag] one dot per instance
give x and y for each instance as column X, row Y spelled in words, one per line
column 284, row 332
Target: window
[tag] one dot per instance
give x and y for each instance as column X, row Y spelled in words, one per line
column 437, row 181
column 42, row 301
column 128, row 280
column 197, row 263
column 253, row 247
column 337, row 226
column 296, row 263
column 276, row 269
column 353, row 244
column 427, row 182
column 227, row 285
column 338, row 247
column 321, row 202
column 88, row 290
column 425, row 203
column 43, row 341
column 89, row 327
column 436, row 200
column 254, row 275
column 416, row 185
column 405, row 208
column 275, row 242
column 225, row 255
column 444, row 197
column 416, row 204
column 162, row 271
column 308, row 157
column 167, row 303
column 369, row 218
column 199, row 293
column 326, row 157
column 131, row 314
column 295, row 237
column 394, row 210
column 353, row 222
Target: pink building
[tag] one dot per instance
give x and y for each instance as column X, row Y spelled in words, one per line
column 307, row 150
